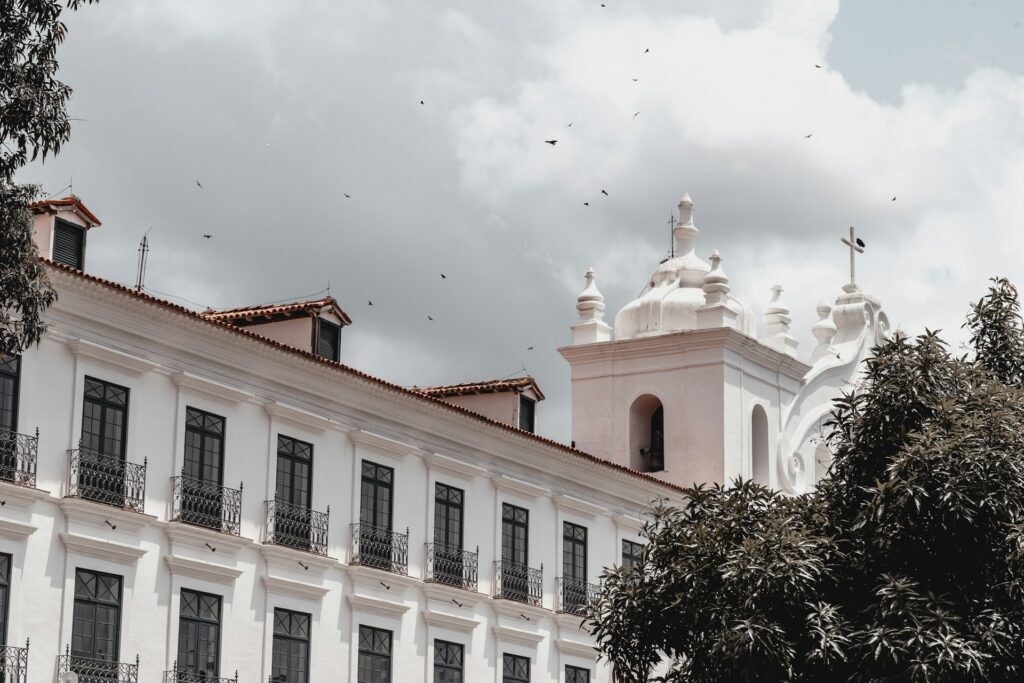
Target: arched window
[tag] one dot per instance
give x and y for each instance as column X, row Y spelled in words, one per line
column 647, row 435
column 759, row 445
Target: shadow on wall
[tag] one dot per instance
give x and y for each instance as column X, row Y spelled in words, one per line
column 759, row 445
column 647, row 434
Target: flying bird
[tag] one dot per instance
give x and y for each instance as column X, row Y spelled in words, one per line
column 894, row 198
column 529, row 348
column 604, row 192
column 199, row 185
column 569, row 125
column 860, row 243
column 206, row 237
column 429, row 318
column 552, row 142
column 647, row 50
column 586, row 203
column 817, row 66
column 443, row 276
column 370, row 303
column 422, row 102
column 636, row 115
column 808, row 136
column 347, row 196
column 636, row 80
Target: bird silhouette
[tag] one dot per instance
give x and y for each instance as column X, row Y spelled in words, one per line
column 206, row 237
column 586, row 203
column 636, row 80
column 569, row 125
column 199, row 185
column 647, row 50
column 370, row 303
column 422, row 102
column 429, row 318
column 817, row 66
column 808, row 136
column 894, row 198
column 860, row 243
column 552, row 142
column 604, row 192
column 347, row 196
column 529, row 348
column 636, row 115
column 443, row 276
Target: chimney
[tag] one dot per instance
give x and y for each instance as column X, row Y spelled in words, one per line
column 60, row 229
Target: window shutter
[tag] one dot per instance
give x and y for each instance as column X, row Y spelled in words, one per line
column 527, row 407
column 68, row 244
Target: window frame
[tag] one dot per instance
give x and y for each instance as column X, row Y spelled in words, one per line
column 14, row 376
column 291, row 638
column 532, row 403
column 61, row 224
column 204, row 434
column 571, row 543
column 118, row 606
column 448, row 507
column 294, row 459
column 321, row 324
column 105, row 405
column 513, row 524
column 572, row 674
column 635, row 555
column 182, row 666
column 376, row 484
column 6, row 566
column 375, row 655
column 447, row 667
column 508, row 656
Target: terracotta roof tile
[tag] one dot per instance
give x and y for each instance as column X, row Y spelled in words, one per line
column 71, row 201
column 236, row 315
column 488, row 387
column 313, row 358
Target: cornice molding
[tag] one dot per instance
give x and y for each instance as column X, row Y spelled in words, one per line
column 448, row 465
column 513, row 609
column 382, row 444
column 97, row 514
column 517, row 635
column 371, row 578
column 363, row 602
column 506, row 483
column 197, row 537
column 445, row 594
column 288, row 559
column 576, row 505
column 210, row 388
column 20, row 497
column 445, row 619
column 101, row 548
column 626, row 522
column 297, row 416
column 295, row 589
column 118, row 359
column 576, row 649
column 17, row 531
column 198, row 569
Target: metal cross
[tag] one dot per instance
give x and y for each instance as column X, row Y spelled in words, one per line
column 854, row 250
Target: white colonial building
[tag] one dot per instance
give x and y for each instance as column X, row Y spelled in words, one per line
column 211, row 495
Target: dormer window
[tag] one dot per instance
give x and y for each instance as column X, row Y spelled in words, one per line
column 527, row 413
column 328, row 340
column 69, row 244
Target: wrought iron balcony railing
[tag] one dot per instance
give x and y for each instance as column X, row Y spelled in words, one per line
column 98, row 670
column 374, row 546
column 514, row 581
column 206, row 504
column 14, row 663
column 18, row 454
column 107, row 479
column 575, row 596
column 295, row 526
column 176, row 675
column 452, row 566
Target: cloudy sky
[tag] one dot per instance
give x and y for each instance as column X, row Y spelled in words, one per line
column 279, row 109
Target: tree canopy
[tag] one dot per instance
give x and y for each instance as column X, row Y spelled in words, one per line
column 906, row 563
column 33, row 124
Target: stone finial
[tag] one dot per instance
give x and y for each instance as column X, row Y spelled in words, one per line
column 591, row 327
column 590, row 302
column 716, row 282
column 776, row 324
column 718, row 310
column 824, row 330
column 685, row 231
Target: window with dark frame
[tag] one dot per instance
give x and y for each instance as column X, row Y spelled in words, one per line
column 104, row 418
column 448, row 662
column 199, row 634
column 9, row 379
column 69, row 244
column 515, row 669
column 204, row 446
column 632, row 552
column 375, row 518
column 574, row 674
column 527, row 413
column 448, row 565
column 515, row 527
column 5, row 594
column 96, row 621
column 574, row 551
column 328, row 339
column 290, row 659
column 294, row 471
column 374, row 655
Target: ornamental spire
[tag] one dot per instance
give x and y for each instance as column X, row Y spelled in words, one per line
column 685, row 231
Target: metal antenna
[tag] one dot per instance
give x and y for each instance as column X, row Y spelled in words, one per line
column 143, row 255
column 671, row 238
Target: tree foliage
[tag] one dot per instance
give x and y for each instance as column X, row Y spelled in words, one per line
column 906, row 564
column 33, row 124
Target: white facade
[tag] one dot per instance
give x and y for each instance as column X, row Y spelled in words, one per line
column 686, row 345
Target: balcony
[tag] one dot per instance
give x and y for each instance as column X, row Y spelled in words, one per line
column 107, row 479
column 514, row 581
column 380, row 548
column 177, row 676
column 98, row 670
column 18, row 458
column 14, row 664
column 295, row 526
column 452, row 566
column 575, row 596
column 206, row 504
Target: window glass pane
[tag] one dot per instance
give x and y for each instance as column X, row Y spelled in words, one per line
column 199, row 634
column 447, row 662
column 104, row 413
column 290, row 655
column 374, row 655
column 515, row 669
column 9, row 367
column 95, row 625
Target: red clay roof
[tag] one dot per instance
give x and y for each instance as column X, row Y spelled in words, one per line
column 71, row 201
column 313, row 358
column 249, row 314
column 489, row 387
